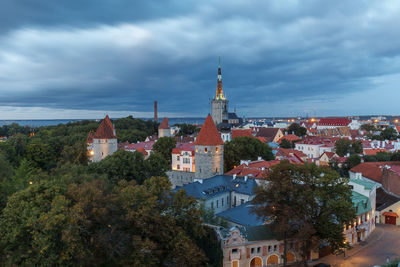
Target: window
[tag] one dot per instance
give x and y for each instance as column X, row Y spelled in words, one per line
column 216, row 149
column 178, row 167
column 258, row 249
column 222, row 202
column 178, row 158
column 205, row 149
column 234, row 251
column 269, row 248
column 252, row 250
column 275, row 247
column 217, row 203
column 227, row 200
column 212, row 205
column 241, row 201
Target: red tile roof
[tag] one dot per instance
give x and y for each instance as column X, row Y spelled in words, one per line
column 164, row 124
column 241, row 133
column 253, row 168
column 209, row 135
column 289, row 137
column 372, row 152
column 105, row 130
column 329, row 154
column 334, row 122
column 142, row 150
column 373, row 170
column 90, row 138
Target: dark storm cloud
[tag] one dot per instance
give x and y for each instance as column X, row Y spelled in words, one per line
column 122, row 55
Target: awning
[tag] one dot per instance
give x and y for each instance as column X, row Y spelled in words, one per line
column 392, row 214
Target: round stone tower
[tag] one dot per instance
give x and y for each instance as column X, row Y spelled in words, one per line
column 209, row 151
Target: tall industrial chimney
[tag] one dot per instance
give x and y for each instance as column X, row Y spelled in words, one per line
column 155, row 112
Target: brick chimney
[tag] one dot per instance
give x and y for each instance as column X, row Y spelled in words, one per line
column 155, row 112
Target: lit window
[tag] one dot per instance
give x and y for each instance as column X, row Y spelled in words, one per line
column 205, row 149
column 216, row 149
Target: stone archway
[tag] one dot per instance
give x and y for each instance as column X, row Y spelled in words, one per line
column 273, row 259
column 256, row 261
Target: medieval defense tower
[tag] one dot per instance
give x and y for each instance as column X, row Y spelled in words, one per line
column 209, row 151
column 219, row 104
column 103, row 142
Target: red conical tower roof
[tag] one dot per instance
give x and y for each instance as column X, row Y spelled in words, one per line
column 90, row 137
column 105, row 130
column 209, row 135
column 164, row 124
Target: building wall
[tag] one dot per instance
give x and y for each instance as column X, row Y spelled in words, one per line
column 239, row 197
column 243, row 254
column 393, row 208
column 103, row 148
column 353, row 233
column 219, row 110
column 209, row 161
column 164, row 133
column 179, row 178
column 312, row 151
column 183, row 162
column 219, row 203
column 391, row 181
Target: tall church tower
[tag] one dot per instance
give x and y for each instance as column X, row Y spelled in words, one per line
column 209, row 151
column 219, row 104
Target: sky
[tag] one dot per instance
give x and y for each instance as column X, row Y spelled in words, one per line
column 83, row 59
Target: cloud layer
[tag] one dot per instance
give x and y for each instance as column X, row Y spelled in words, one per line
column 279, row 58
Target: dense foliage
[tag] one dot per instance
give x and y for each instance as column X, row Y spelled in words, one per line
column 309, row 203
column 186, row 129
column 296, row 129
column 245, row 148
column 58, row 210
column 345, row 146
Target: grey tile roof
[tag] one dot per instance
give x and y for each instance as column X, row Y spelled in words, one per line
column 241, row 215
column 218, row 185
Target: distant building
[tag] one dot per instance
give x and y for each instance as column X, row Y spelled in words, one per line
column 164, row 130
column 219, row 104
column 221, row 192
column 209, row 151
column 270, row 134
column 104, row 141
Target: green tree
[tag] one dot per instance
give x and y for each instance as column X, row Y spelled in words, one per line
column 342, row 147
column 164, row 146
column 186, row 129
column 296, row 129
column 156, row 165
column 39, row 154
column 245, row 148
column 286, row 144
column 309, row 203
column 388, row 134
column 351, row 162
column 368, row 127
column 122, row 165
column 356, row 147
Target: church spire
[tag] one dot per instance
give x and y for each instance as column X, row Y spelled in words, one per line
column 219, row 94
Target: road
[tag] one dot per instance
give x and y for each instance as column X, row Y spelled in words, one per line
column 382, row 243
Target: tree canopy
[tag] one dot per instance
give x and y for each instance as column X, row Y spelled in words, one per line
column 309, row 203
column 164, row 146
column 296, row 129
column 245, row 148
